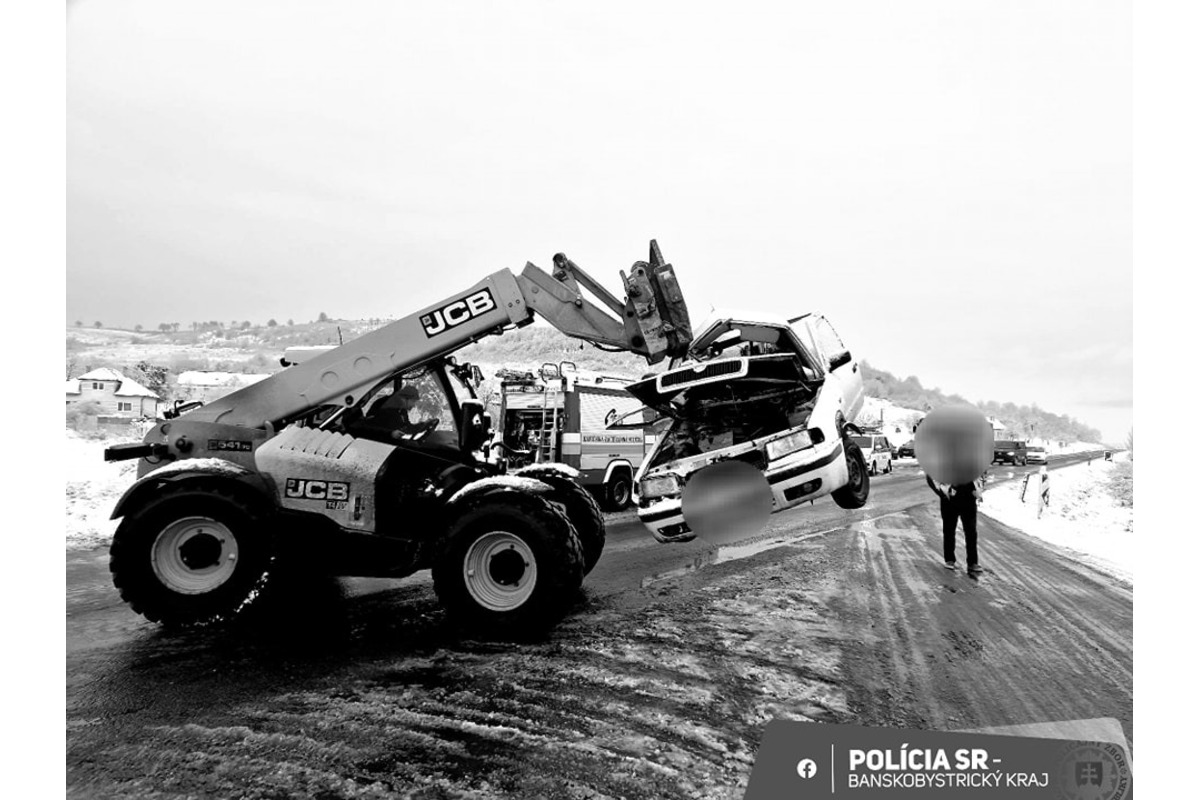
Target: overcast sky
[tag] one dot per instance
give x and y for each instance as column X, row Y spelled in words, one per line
column 949, row 182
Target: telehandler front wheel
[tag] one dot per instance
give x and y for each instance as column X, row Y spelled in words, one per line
column 858, row 488
column 510, row 565
column 581, row 508
column 191, row 557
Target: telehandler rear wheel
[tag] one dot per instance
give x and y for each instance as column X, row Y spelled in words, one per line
column 191, row 556
column 582, row 510
column 510, row 564
column 856, row 491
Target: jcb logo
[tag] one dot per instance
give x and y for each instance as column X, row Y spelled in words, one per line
column 306, row 489
column 458, row 312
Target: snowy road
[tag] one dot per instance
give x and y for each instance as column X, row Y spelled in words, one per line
column 657, row 684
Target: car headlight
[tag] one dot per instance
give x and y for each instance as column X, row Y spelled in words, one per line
column 659, row 486
column 788, row 444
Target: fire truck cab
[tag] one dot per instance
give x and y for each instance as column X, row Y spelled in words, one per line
column 560, row 415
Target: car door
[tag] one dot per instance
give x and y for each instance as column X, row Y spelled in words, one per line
column 837, row 360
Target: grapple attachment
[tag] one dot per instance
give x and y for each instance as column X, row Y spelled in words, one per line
column 659, row 310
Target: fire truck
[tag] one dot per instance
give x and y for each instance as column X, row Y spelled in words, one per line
column 560, row 415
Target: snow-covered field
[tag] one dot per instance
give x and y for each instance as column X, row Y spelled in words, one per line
column 93, row 488
column 1082, row 515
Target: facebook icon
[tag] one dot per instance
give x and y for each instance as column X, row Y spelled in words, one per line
column 806, row 768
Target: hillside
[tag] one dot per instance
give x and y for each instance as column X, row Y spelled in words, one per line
column 1026, row 422
column 243, row 347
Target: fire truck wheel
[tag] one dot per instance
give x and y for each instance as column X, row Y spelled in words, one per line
column 192, row 556
column 509, row 566
column 618, row 492
column 854, row 494
column 581, row 509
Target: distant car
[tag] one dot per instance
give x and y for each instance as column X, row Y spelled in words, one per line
column 907, row 450
column 877, row 451
column 1036, row 455
column 1012, row 452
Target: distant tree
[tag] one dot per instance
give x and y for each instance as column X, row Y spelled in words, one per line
column 138, row 327
column 246, row 325
column 152, row 376
column 175, row 326
column 271, row 323
column 78, row 323
column 291, row 322
column 323, row 317
column 98, row 324
column 164, row 326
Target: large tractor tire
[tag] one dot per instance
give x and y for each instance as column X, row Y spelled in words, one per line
column 582, row 510
column 510, row 565
column 856, row 491
column 192, row 556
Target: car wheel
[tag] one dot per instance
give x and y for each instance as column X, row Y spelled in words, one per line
column 858, row 488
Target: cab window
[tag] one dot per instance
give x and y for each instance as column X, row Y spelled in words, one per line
column 406, row 405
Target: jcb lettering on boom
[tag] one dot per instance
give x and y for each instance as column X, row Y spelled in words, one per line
column 458, row 312
column 307, row 489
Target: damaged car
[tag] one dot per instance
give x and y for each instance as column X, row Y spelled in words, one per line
column 776, row 393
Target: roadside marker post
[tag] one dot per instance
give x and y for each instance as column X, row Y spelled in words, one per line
column 1043, row 498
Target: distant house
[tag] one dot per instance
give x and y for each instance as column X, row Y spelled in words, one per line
column 998, row 429
column 115, row 394
column 209, row 386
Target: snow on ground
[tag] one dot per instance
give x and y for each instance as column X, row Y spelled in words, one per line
column 1082, row 515
column 93, row 488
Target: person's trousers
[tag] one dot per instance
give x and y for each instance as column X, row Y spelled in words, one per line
column 952, row 512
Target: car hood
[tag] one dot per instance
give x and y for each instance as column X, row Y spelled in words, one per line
column 667, row 391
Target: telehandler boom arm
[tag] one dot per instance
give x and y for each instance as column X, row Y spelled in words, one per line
column 652, row 322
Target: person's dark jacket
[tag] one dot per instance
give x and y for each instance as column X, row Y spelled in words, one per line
column 956, row 493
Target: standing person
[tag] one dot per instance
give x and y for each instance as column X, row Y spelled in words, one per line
column 959, row 501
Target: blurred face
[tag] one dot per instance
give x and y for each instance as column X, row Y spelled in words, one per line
column 954, row 444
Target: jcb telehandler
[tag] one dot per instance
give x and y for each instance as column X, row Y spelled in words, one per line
column 373, row 459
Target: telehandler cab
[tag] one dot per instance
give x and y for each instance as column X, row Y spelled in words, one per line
column 373, row 459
